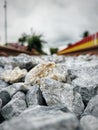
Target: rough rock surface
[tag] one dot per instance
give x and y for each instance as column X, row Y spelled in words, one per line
column 86, row 80
column 89, row 123
column 49, row 92
column 42, row 118
column 34, row 96
column 4, row 98
column 55, row 92
column 92, row 107
column 51, row 70
column 26, row 61
column 3, row 84
column 0, row 103
column 14, row 88
column 14, row 107
column 14, row 75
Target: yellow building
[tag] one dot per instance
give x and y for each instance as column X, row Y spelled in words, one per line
column 88, row 42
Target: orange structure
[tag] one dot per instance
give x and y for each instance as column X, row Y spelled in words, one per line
column 85, row 45
column 9, row 51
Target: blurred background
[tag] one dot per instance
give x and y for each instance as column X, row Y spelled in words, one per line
column 57, row 23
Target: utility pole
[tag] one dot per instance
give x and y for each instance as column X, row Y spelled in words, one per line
column 5, row 18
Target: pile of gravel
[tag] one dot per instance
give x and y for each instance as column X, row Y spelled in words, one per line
column 49, row 92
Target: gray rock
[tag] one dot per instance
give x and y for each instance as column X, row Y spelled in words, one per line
column 92, row 107
column 19, row 95
column 34, row 96
column 14, row 88
column 55, row 92
column 54, row 58
column 0, row 103
column 1, row 119
column 6, row 62
column 86, row 80
column 16, row 106
column 3, row 84
column 86, row 88
column 89, row 123
column 4, row 97
column 40, row 118
column 83, row 69
column 11, row 65
column 37, row 110
column 1, row 71
column 49, row 88
column 26, row 61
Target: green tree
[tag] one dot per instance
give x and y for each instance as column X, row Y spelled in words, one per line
column 53, row 50
column 23, row 39
column 86, row 34
column 69, row 44
column 35, row 42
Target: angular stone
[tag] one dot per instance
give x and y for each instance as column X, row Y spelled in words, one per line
column 19, row 95
column 26, row 61
column 92, row 107
column 6, row 61
column 34, row 96
column 4, row 98
column 1, row 71
column 42, row 118
column 86, row 88
column 80, row 65
column 1, row 119
column 16, row 106
column 3, row 84
column 23, row 61
column 53, row 58
column 89, row 123
column 14, row 88
column 14, row 75
column 86, row 80
column 51, row 70
column 85, row 70
column 0, row 103
column 37, row 110
column 55, row 92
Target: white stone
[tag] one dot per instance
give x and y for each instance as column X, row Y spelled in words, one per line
column 50, row 70
column 13, row 75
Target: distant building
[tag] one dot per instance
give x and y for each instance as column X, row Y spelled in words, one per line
column 16, row 46
column 87, row 43
column 16, row 49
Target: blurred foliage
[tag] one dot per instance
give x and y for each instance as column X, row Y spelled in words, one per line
column 53, row 50
column 86, row 34
column 23, row 39
column 69, row 44
column 34, row 41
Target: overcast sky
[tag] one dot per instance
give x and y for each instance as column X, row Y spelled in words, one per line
column 60, row 21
